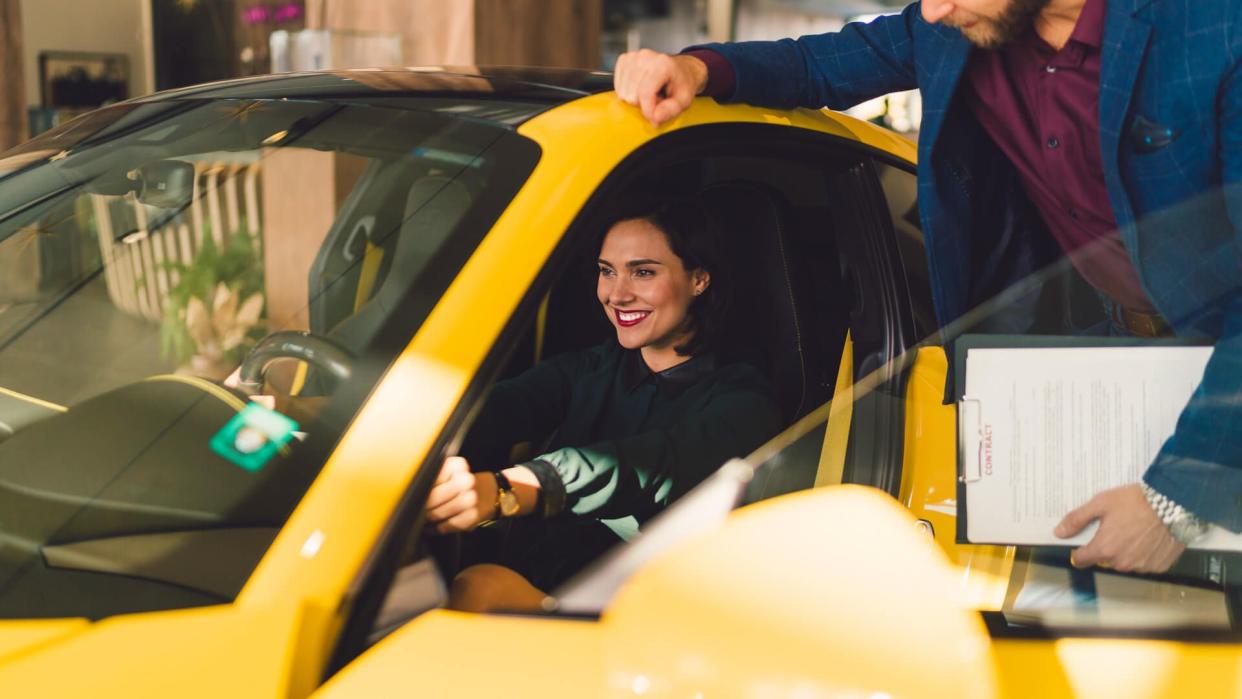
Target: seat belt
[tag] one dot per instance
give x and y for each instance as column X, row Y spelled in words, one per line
column 837, row 432
column 541, row 326
column 371, row 260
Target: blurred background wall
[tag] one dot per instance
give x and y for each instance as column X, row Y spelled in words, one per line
column 63, row 57
column 13, row 93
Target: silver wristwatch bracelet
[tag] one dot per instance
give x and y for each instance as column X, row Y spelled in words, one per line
column 1182, row 525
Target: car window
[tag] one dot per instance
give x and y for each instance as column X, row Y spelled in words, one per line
column 145, row 253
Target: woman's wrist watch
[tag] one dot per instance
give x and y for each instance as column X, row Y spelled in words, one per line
column 506, row 500
column 1182, row 525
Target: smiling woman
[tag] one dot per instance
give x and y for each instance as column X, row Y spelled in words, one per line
column 628, row 425
column 653, row 269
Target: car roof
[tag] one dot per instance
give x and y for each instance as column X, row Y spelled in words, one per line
column 535, row 86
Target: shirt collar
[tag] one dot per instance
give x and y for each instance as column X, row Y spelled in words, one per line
column 1090, row 27
column 1088, row 34
column 676, row 378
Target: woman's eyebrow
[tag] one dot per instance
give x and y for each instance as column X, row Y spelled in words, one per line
column 631, row 263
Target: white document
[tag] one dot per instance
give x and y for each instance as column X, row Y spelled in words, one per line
column 1042, row 430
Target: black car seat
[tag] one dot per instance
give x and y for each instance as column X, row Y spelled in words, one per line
column 784, row 321
column 370, row 257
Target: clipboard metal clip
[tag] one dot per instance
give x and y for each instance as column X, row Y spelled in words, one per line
column 970, row 439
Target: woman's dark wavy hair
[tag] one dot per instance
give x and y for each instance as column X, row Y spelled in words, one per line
column 694, row 236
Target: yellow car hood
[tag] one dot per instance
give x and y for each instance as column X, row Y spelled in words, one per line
column 18, row 637
column 223, row 650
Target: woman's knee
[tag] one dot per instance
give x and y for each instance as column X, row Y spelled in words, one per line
column 488, row 587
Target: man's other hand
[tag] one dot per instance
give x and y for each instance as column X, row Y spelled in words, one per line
column 662, row 86
column 1131, row 538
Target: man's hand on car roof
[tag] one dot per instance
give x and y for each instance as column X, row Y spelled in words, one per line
column 662, row 86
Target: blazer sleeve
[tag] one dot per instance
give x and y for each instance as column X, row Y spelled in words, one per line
column 835, row 70
column 1200, row 466
column 639, row 475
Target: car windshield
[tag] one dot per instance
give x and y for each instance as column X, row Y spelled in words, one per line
column 146, row 250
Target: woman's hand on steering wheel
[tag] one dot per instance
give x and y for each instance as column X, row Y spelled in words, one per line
column 461, row 500
column 300, row 408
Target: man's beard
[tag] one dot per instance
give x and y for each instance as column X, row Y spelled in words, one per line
column 1015, row 21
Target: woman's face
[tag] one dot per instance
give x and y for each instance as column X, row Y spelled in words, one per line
column 644, row 288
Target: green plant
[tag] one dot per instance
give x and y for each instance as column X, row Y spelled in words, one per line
column 216, row 304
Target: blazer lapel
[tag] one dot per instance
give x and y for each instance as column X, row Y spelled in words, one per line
column 939, row 94
column 1125, row 46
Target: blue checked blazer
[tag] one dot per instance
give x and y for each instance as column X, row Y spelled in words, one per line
column 1170, row 72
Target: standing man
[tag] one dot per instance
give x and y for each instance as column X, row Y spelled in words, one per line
column 1050, row 128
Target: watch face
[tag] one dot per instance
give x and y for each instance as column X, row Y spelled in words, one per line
column 1187, row 529
column 508, row 503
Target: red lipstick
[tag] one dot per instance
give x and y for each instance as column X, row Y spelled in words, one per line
column 628, row 319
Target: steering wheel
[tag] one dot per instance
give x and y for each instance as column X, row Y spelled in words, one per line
column 320, row 352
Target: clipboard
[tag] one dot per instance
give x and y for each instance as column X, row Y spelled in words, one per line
column 969, row 432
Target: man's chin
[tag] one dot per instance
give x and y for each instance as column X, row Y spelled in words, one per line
column 982, row 36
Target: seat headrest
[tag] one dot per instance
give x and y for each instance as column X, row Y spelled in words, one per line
column 753, row 220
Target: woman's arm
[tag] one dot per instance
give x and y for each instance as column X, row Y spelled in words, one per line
column 462, row 499
column 639, row 475
column 634, row 476
column 526, row 408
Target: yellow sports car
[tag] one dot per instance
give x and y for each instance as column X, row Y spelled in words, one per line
column 372, row 250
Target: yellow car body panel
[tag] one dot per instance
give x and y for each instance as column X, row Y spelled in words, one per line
column 1117, row 669
column 22, row 636
column 929, row 480
column 807, row 614
column 205, row 652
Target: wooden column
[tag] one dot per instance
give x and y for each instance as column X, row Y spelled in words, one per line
column 13, row 129
column 720, row 16
column 302, row 191
column 562, row 34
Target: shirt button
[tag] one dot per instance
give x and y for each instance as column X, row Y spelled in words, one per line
column 1054, row 143
column 1050, row 69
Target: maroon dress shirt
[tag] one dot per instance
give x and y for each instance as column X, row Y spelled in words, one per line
column 1041, row 107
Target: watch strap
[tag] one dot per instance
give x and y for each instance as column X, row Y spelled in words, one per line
column 1181, row 523
column 502, row 484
